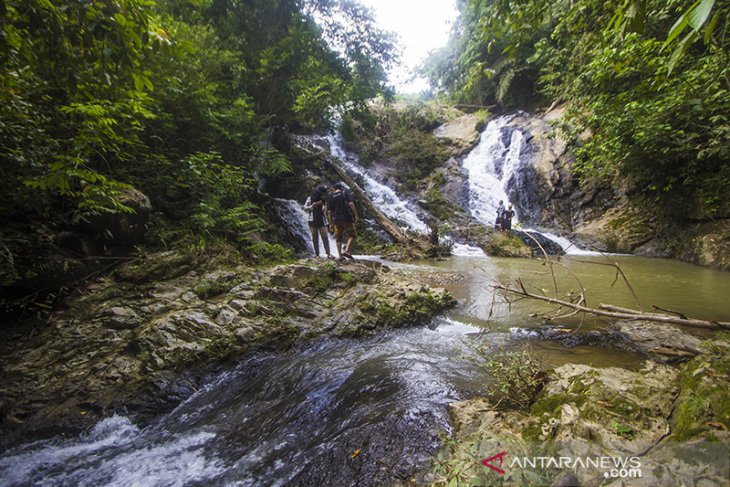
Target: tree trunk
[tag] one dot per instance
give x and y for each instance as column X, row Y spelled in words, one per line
column 394, row 231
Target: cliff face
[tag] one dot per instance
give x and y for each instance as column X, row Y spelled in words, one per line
column 612, row 219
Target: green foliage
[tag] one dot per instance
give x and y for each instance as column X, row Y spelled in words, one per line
column 403, row 134
column 664, row 135
column 186, row 100
column 704, row 401
column 518, row 376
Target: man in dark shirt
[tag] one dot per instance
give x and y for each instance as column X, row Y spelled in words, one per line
column 341, row 211
column 507, row 218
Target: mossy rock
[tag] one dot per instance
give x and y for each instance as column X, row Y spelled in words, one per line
column 703, row 406
column 156, row 267
column 505, row 244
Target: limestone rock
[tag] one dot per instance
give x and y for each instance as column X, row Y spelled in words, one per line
column 658, row 339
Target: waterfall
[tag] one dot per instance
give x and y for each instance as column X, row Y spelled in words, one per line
column 489, row 166
column 383, row 197
column 494, row 167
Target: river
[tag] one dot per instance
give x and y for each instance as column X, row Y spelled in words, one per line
column 364, row 411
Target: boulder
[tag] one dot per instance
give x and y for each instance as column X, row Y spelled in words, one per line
column 121, row 229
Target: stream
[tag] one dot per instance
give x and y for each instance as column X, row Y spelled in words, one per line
column 363, row 411
column 373, row 411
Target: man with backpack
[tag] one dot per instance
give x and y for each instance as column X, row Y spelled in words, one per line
column 343, row 216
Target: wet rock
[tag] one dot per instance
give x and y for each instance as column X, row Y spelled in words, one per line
column 125, row 344
column 663, row 342
column 539, row 243
column 120, row 318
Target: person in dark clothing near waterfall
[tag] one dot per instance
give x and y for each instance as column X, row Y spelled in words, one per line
column 343, row 216
column 315, row 206
column 500, row 211
column 507, row 218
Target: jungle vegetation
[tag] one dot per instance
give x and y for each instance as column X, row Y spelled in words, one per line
column 184, row 100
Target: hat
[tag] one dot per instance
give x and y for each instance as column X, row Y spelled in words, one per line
column 338, row 186
column 321, row 189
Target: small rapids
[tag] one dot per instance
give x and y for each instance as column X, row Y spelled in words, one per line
column 333, row 412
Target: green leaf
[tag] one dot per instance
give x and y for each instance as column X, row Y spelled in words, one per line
column 699, row 14
column 676, row 56
column 676, row 29
column 711, row 27
column 138, row 82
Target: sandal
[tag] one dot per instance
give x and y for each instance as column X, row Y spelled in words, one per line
column 347, row 255
column 331, row 257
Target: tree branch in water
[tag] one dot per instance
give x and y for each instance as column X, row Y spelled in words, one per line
column 616, row 312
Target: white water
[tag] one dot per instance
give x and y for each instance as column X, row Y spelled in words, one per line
column 464, row 250
column 489, row 166
column 384, row 197
column 281, row 419
column 569, row 247
column 135, row 462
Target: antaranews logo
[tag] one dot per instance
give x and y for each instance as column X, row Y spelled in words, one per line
column 612, row 467
column 487, row 462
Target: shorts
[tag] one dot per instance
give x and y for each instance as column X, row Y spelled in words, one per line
column 345, row 229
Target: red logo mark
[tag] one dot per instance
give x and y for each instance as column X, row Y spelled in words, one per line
column 487, row 462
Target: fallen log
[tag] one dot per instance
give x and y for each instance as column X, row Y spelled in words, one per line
column 394, row 231
column 617, row 312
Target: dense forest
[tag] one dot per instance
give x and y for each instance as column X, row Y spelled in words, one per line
column 181, row 108
column 186, row 101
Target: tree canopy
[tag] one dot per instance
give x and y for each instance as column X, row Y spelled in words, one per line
column 171, row 97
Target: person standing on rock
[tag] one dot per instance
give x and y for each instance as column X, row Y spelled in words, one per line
column 507, row 216
column 500, row 212
column 315, row 205
column 343, row 215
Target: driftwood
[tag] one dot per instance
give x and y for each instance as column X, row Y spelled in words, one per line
column 616, row 312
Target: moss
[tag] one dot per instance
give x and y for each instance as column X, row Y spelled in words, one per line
column 156, row 267
column 207, row 289
column 551, row 403
column 704, row 400
column 417, row 307
column 505, row 244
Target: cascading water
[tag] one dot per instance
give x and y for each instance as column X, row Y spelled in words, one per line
column 384, row 197
column 334, row 412
column 496, row 164
column 489, row 165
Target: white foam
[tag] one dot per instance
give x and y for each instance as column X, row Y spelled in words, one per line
column 383, row 197
column 463, row 250
column 162, row 464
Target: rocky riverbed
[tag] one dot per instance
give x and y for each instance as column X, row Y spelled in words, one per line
column 144, row 338
column 669, row 425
